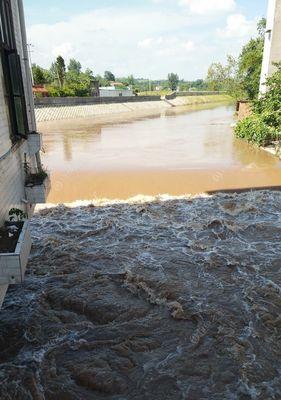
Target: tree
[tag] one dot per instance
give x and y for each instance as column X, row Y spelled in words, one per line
column 102, row 81
column 73, row 74
column 225, row 78
column 173, row 81
column 240, row 77
column 261, row 28
column 264, row 124
column 89, row 73
column 269, row 105
column 60, row 70
column 131, row 80
column 38, row 75
column 108, row 76
column 250, row 63
column 74, row 66
column 216, row 77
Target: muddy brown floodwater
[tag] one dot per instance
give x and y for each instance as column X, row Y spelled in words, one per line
column 159, row 300
column 186, row 150
column 153, row 298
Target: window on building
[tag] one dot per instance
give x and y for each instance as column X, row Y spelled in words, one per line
column 12, row 73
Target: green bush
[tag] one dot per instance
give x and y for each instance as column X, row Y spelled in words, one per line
column 269, row 105
column 70, row 90
column 264, row 125
column 255, row 130
column 58, row 92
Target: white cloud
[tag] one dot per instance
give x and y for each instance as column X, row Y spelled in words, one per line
column 188, row 46
column 167, row 46
column 110, row 39
column 237, row 26
column 63, row 49
column 207, row 7
column 145, row 43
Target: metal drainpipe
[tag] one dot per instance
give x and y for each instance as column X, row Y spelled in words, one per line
column 28, row 76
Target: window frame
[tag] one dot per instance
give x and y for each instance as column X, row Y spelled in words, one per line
column 12, row 75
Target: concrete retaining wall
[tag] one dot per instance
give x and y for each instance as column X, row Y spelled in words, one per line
column 200, row 93
column 179, row 101
column 95, row 110
column 188, row 94
column 60, row 112
column 77, row 101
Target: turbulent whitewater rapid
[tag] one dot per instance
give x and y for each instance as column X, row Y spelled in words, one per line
column 149, row 300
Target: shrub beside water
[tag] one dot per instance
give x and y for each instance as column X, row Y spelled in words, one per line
column 264, row 125
column 255, row 130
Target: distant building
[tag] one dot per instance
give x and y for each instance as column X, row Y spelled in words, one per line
column 19, row 142
column 272, row 45
column 117, row 84
column 112, row 91
column 40, row 91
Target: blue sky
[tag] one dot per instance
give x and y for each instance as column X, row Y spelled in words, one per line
column 147, row 38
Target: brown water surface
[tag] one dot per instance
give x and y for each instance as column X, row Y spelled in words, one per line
column 177, row 152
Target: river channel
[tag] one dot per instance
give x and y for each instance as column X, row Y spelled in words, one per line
column 152, row 298
column 179, row 151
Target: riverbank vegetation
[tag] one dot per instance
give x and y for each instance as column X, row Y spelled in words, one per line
column 240, row 77
column 264, row 124
column 62, row 81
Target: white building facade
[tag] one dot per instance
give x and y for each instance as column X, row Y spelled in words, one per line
column 19, row 143
column 272, row 45
column 111, row 91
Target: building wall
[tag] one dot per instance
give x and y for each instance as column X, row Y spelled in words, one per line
column 272, row 46
column 115, row 93
column 11, row 180
column 12, row 157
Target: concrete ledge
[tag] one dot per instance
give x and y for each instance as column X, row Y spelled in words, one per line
column 37, row 194
column 13, row 265
column 34, row 141
column 274, row 149
column 3, row 290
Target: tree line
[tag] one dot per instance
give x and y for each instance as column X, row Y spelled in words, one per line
column 240, row 77
column 61, row 80
column 70, row 80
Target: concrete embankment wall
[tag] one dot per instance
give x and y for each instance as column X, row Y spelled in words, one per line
column 78, row 101
column 199, row 99
column 94, row 110
column 192, row 94
column 52, row 109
